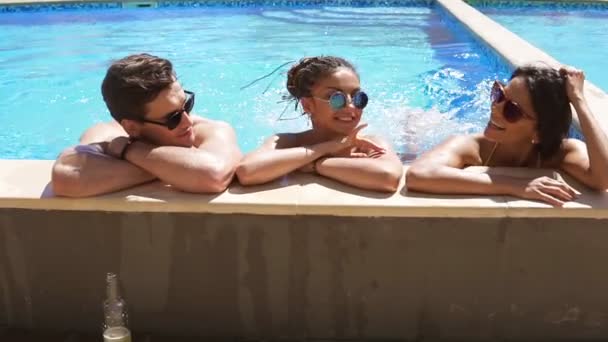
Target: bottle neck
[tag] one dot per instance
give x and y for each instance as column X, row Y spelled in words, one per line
column 115, row 309
column 112, row 291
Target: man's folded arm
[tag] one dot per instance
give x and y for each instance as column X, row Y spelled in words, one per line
column 206, row 169
column 84, row 170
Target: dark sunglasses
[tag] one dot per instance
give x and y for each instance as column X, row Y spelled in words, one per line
column 512, row 112
column 173, row 119
column 339, row 100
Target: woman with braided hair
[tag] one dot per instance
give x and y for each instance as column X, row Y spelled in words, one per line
column 528, row 127
column 329, row 91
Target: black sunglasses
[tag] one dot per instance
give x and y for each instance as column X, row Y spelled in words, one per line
column 173, row 119
column 339, row 100
column 512, row 111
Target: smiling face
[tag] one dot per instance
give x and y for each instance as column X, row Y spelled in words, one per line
column 168, row 101
column 340, row 121
column 520, row 129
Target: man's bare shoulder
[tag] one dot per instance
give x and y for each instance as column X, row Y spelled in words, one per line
column 203, row 124
column 102, row 131
column 205, row 128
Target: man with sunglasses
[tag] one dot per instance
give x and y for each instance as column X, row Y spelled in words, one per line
column 154, row 137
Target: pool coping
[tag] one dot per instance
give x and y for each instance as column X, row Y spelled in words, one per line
column 24, row 183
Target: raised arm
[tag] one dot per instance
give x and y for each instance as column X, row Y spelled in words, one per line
column 206, row 169
column 587, row 163
column 86, row 169
column 381, row 173
column 276, row 158
column 441, row 171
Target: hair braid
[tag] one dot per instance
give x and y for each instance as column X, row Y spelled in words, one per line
column 302, row 77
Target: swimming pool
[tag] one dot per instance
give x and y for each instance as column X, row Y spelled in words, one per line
column 575, row 34
column 425, row 75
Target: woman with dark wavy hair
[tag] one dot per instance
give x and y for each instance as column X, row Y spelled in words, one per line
column 528, row 127
column 329, row 91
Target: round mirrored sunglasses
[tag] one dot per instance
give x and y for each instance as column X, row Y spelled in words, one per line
column 339, row 100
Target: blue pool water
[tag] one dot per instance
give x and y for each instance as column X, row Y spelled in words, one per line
column 573, row 34
column 426, row 77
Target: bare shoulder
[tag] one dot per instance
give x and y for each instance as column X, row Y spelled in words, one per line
column 573, row 145
column 572, row 151
column 103, row 131
column 466, row 143
column 204, row 125
column 383, row 142
column 470, row 140
column 207, row 128
column 456, row 151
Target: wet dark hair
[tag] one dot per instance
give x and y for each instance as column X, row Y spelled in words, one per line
column 309, row 70
column 550, row 100
column 134, row 81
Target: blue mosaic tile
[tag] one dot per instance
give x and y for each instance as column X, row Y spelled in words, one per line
column 550, row 5
column 496, row 61
column 293, row 3
column 59, row 7
column 213, row 3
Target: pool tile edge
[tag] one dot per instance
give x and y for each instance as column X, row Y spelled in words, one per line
column 299, row 195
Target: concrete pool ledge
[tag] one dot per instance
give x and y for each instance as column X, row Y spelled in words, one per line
column 517, row 51
column 25, row 185
column 305, row 257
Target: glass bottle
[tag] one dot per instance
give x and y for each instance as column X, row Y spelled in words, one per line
column 115, row 328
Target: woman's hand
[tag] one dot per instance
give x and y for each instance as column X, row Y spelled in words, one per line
column 575, row 80
column 363, row 147
column 549, row 190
